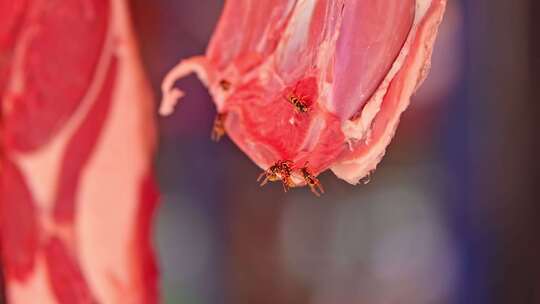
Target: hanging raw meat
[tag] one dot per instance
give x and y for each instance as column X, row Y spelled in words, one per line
column 77, row 138
column 306, row 86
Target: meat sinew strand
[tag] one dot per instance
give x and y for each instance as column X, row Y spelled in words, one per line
column 354, row 64
column 76, row 188
column 320, row 84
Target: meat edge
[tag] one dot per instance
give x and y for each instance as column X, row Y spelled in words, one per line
column 415, row 61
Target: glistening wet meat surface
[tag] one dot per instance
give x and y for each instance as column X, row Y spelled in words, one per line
column 321, row 84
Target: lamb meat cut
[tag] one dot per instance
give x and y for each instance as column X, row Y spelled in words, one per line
column 77, row 192
column 302, row 86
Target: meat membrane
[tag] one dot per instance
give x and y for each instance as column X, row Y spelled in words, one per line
column 305, row 86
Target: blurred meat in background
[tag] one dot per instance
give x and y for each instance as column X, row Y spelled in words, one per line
column 77, row 189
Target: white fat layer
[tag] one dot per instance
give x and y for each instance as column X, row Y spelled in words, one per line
column 263, row 42
column 314, row 133
column 171, row 95
column 36, row 286
column 298, row 29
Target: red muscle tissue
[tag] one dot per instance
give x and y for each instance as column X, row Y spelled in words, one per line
column 77, row 139
column 306, row 86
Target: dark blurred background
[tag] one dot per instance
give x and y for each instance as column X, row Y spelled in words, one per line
column 450, row 216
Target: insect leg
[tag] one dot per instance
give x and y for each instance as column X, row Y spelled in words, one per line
column 218, row 130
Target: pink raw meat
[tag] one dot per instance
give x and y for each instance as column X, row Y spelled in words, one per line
column 77, row 191
column 306, row 86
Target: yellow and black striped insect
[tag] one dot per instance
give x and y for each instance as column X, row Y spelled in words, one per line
column 313, row 183
column 299, row 103
column 281, row 170
column 225, row 85
column 218, row 130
